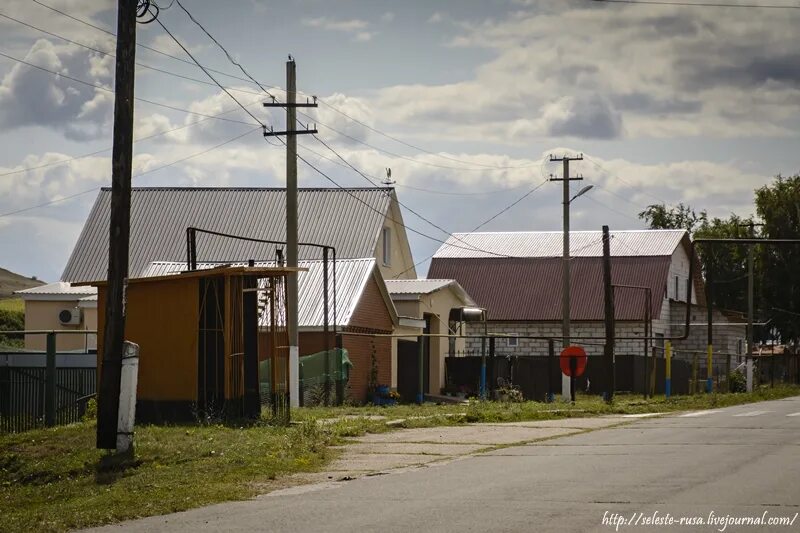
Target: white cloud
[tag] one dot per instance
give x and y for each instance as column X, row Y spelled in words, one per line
column 358, row 28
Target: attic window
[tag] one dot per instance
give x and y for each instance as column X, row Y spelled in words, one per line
column 387, row 246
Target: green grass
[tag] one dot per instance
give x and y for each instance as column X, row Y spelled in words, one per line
column 12, row 304
column 55, row 480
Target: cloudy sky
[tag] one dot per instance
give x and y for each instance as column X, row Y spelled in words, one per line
column 463, row 100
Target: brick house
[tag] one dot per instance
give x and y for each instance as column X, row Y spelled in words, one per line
column 519, row 283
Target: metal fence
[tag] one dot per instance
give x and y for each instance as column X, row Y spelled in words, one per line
column 44, row 389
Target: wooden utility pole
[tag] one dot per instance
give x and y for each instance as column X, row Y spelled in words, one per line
column 292, row 298
column 119, row 234
column 750, row 293
column 565, row 289
column 608, row 350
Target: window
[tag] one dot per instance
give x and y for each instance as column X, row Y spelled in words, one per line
column 512, row 342
column 387, row 246
column 677, row 288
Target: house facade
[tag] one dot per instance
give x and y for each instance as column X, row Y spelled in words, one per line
column 517, row 277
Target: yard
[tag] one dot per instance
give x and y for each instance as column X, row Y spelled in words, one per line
column 55, row 480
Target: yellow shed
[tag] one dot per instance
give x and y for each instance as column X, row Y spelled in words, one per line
column 197, row 333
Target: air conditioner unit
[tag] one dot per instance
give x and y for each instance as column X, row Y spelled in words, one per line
column 70, row 317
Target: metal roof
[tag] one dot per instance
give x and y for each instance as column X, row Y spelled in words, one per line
column 403, row 289
column 525, row 289
column 59, row 288
column 352, row 276
column 416, row 286
column 630, row 243
column 160, row 216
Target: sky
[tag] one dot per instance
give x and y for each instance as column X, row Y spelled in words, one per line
column 464, row 100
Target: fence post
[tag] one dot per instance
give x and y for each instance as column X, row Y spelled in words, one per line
column 668, row 369
column 694, row 374
column 749, row 371
column 50, row 382
column 493, row 373
column 551, row 356
column 340, row 372
column 421, row 369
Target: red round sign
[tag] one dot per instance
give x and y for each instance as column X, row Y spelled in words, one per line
column 578, row 354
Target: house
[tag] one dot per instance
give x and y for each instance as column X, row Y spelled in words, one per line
column 362, row 224
column 517, row 277
column 431, row 301
column 60, row 306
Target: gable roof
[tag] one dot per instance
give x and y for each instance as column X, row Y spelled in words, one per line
column 526, row 284
column 523, row 289
column 401, row 288
column 58, row 290
column 160, row 216
column 352, row 276
column 630, row 243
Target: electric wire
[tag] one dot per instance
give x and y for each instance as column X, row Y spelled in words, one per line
column 106, row 89
column 699, row 4
column 175, row 162
column 98, row 152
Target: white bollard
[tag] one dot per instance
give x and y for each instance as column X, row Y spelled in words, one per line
column 127, row 397
column 294, row 376
column 749, row 371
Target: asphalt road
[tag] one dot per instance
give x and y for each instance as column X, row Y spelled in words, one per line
column 739, row 462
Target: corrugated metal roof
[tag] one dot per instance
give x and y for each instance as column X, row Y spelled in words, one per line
column 416, row 286
column 57, row 289
column 160, row 216
column 631, row 243
column 530, row 289
column 352, row 276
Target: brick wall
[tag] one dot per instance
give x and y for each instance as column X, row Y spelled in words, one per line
column 372, row 317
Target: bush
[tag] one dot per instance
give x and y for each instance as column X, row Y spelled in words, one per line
column 10, row 321
column 737, row 382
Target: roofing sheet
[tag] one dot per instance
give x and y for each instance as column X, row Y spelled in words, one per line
column 631, row 243
column 350, row 220
column 530, row 289
column 57, row 288
column 416, row 286
column 352, row 276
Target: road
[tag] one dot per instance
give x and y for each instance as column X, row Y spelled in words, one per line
column 739, row 461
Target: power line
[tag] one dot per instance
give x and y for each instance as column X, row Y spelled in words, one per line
column 106, row 89
column 177, row 161
column 398, row 140
column 109, row 54
column 700, row 4
column 360, row 200
column 326, row 145
column 188, row 53
column 141, row 45
column 98, row 152
column 264, row 87
column 228, row 55
column 479, row 226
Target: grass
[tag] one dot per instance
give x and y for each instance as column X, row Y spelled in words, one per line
column 15, row 305
column 55, row 480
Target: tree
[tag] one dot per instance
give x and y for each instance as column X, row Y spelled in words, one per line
column 778, row 205
column 658, row 216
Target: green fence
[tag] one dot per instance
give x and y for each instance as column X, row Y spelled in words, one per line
column 323, row 378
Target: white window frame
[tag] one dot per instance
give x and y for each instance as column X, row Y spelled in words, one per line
column 386, row 235
column 512, row 341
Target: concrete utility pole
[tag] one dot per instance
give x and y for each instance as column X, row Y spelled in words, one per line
column 750, row 304
column 119, row 231
column 565, row 311
column 608, row 300
column 292, row 299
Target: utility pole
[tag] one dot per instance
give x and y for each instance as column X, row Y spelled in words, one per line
column 291, row 134
column 119, row 231
column 750, row 305
column 608, row 290
column 565, row 311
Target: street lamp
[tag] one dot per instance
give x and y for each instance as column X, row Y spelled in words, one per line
column 565, row 311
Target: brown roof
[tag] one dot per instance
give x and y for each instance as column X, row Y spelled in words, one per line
column 530, row 288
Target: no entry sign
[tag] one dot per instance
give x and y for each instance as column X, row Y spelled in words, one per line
column 577, row 354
